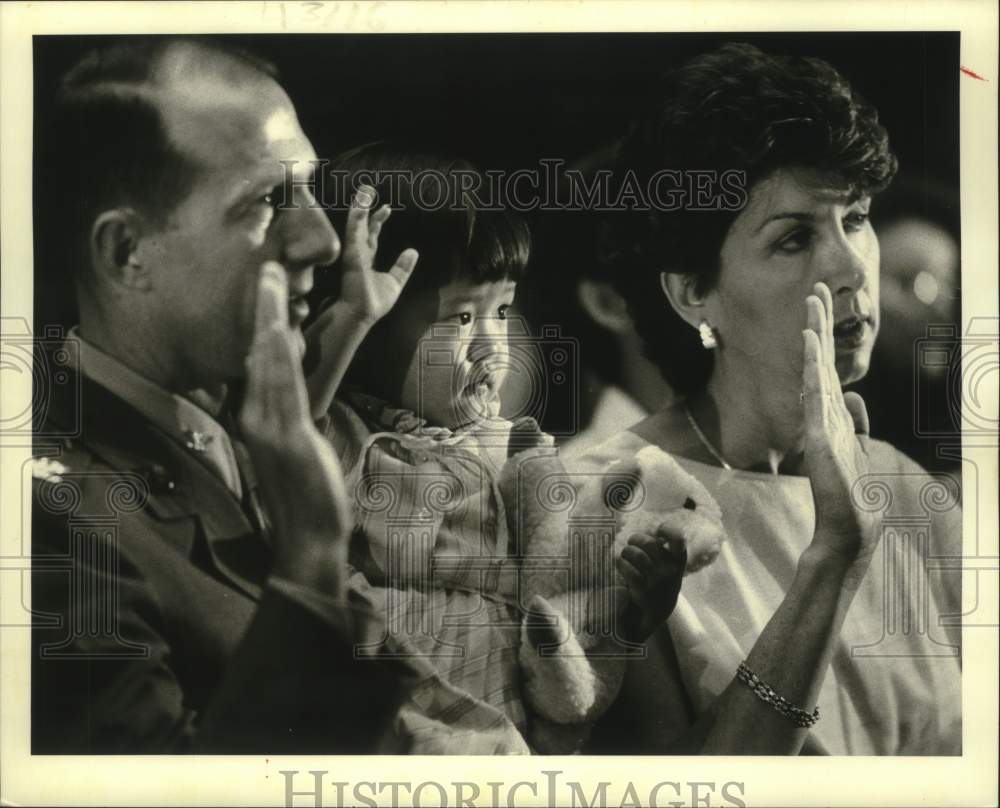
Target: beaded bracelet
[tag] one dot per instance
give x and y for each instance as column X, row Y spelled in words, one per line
column 766, row 693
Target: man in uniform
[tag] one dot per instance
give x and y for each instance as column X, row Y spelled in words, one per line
column 189, row 552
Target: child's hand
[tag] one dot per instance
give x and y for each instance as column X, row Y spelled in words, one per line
column 365, row 293
column 653, row 568
column 365, row 297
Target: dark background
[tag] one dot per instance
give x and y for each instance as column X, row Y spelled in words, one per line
column 507, row 100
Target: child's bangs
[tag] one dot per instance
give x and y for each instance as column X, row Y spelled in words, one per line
column 499, row 246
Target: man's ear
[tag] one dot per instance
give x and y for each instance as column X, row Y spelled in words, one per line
column 604, row 305
column 680, row 291
column 114, row 247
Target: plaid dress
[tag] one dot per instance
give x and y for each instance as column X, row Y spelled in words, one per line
column 430, row 552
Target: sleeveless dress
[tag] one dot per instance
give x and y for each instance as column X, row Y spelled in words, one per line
column 894, row 684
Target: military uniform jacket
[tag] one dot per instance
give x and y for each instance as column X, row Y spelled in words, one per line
column 156, row 628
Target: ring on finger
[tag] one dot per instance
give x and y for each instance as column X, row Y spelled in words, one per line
column 802, row 397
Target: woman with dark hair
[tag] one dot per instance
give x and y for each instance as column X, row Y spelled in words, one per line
column 822, row 610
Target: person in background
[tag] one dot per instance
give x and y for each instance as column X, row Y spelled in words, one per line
column 585, row 294
column 913, row 403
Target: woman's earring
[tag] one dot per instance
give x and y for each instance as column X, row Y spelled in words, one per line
column 707, row 335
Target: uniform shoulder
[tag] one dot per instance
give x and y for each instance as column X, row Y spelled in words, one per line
column 53, row 461
column 71, row 478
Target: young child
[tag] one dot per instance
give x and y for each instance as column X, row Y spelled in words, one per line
column 417, row 425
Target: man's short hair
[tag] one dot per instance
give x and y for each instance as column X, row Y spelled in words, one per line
column 107, row 144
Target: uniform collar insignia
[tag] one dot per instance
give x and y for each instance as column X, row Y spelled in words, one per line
column 197, row 441
column 45, row 468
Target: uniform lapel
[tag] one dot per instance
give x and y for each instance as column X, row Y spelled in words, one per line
column 181, row 486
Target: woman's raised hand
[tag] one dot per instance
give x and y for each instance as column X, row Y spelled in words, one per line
column 836, row 435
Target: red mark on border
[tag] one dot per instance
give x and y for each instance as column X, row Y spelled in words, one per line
column 970, row 73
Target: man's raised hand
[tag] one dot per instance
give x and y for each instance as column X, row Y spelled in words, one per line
column 300, row 476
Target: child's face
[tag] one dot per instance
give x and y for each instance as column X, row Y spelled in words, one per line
column 461, row 357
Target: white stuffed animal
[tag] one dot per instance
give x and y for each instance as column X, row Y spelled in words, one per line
column 571, row 525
